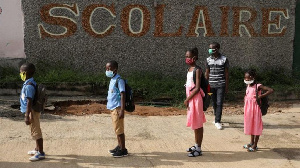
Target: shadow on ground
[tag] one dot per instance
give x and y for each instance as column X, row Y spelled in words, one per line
column 266, row 126
column 16, row 115
column 159, row 158
column 289, row 153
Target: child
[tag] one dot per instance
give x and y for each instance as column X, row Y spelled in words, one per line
column 217, row 73
column 194, row 102
column 32, row 118
column 252, row 114
column 116, row 104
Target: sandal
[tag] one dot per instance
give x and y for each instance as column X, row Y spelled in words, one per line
column 250, row 149
column 195, row 153
column 191, row 149
column 247, row 146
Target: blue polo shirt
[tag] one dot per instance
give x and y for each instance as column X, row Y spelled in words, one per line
column 27, row 91
column 114, row 96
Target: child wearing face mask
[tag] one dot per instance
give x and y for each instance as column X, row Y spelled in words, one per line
column 194, row 102
column 116, row 104
column 217, row 73
column 252, row 114
column 32, row 118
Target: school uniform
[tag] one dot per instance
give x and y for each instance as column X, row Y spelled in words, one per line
column 28, row 91
column 217, row 82
column 114, row 102
column 195, row 114
column 253, row 124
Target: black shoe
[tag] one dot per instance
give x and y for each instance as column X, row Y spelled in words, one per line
column 112, row 151
column 120, row 153
column 125, row 152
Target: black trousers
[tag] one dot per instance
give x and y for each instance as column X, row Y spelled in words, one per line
column 218, row 99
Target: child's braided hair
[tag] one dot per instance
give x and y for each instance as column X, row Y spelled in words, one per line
column 252, row 73
column 194, row 52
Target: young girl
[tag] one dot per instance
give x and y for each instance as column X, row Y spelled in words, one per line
column 252, row 114
column 194, row 102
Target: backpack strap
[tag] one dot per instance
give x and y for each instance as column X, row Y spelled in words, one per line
column 30, row 83
column 35, row 88
column 194, row 75
column 256, row 93
column 117, row 81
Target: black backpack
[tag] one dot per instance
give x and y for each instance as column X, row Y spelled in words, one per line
column 129, row 102
column 263, row 102
column 40, row 97
column 204, row 85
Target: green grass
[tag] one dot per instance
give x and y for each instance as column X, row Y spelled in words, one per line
column 9, row 74
column 152, row 86
column 148, row 86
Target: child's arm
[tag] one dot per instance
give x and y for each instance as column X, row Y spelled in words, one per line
column 207, row 71
column 121, row 84
column 265, row 88
column 196, row 89
column 28, row 110
column 121, row 114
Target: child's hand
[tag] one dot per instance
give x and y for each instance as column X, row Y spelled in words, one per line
column 27, row 121
column 259, row 97
column 121, row 114
column 186, row 103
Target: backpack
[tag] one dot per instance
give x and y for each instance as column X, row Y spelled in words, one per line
column 263, row 102
column 204, row 86
column 129, row 102
column 40, row 97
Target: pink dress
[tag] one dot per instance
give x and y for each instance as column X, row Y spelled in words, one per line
column 195, row 114
column 253, row 124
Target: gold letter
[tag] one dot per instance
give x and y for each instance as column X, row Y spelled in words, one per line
column 67, row 23
column 238, row 23
column 267, row 22
column 159, row 20
column 224, row 24
column 126, row 19
column 87, row 20
column 200, row 11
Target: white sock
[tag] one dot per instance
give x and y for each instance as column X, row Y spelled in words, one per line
column 197, row 147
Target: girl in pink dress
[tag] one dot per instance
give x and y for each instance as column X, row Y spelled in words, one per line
column 194, row 102
column 252, row 114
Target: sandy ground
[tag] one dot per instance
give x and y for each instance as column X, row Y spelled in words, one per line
column 152, row 141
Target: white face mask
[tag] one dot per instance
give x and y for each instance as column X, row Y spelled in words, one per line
column 248, row 82
column 109, row 74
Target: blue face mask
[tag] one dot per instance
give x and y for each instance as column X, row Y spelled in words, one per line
column 109, row 74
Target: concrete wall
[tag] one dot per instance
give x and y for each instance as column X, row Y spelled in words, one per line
column 152, row 35
column 11, row 30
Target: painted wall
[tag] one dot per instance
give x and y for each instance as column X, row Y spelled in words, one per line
column 11, row 29
column 152, row 35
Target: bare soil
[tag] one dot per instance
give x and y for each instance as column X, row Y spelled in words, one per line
column 80, row 108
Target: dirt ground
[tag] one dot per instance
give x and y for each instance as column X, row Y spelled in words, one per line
column 87, row 107
column 155, row 137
